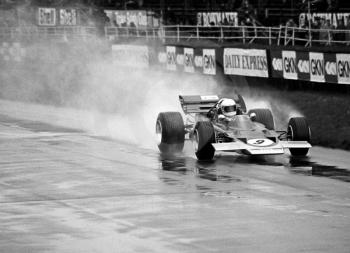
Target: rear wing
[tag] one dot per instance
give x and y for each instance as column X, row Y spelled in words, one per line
column 202, row 104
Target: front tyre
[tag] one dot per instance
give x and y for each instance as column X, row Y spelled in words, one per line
column 298, row 130
column 170, row 131
column 203, row 137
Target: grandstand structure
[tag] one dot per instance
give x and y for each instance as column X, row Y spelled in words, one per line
column 269, row 22
column 267, row 12
column 278, row 36
column 297, row 45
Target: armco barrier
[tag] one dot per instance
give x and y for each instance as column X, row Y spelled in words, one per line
column 313, row 66
column 12, row 52
column 134, row 56
column 310, row 66
column 190, row 60
column 233, row 61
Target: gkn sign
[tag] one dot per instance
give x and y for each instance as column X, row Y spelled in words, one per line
column 317, row 69
column 209, row 62
column 343, row 68
column 289, row 65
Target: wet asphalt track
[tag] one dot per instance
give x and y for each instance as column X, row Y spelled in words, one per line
column 63, row 190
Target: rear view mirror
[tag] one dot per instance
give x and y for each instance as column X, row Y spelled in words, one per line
column 221, row 117
column 252, row 116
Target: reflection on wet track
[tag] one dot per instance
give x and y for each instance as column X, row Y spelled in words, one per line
column 304, row 166
column 202, row 170
column 63, row 190
column 207, row 170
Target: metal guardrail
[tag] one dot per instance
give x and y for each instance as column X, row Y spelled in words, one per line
column 115, row 33
column 308, row 37
column 242, row 34
column 48, row 32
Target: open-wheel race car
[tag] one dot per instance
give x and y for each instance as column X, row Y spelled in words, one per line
column 221, row 123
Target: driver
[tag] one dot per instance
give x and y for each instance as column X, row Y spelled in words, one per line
column 227, row 107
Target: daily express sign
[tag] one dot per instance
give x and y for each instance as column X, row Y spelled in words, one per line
column 245, row 62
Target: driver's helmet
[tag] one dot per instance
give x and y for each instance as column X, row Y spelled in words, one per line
column 228, row 107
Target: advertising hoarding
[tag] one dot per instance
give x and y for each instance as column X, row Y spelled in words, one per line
column 188, row 60
column 134, row 56
column 46, row 16
column 171, row 58
column 245, row 62
column 209, row 62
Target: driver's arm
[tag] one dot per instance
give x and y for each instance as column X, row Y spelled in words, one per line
column 212, row 112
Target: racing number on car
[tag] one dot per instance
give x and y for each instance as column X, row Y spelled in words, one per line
column 258, row 142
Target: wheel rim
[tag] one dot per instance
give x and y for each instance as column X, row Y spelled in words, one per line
column 290, row 133
column 195, row 140
column 309, row 133
column 159, row 132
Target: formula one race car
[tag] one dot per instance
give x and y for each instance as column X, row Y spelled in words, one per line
column 218, row 123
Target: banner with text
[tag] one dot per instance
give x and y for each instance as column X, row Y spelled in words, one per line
column 334, row 18
column 133, row 56
column 171, row 58
column 310, row 66
column 343, row 68
column 132, row 18
column 209, row 62
column 217, row 18
column 245, row 62
column 46, row 16
column 12, row 52
column 189, row 60
column 68, row 17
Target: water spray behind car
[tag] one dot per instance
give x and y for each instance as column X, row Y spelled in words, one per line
column 117, row 102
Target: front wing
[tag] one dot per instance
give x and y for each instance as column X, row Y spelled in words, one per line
column 276, row 148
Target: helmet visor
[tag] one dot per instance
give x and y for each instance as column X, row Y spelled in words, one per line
column 231, row 108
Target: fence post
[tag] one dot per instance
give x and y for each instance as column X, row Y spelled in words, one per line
column 243, row 34
column 293, row 36
column 197, row 31
column 106, row 33
column 310, row 35
column 83, row 32
column 285, row 35
column 221, row 34
column 178, row 33
column 162, row 33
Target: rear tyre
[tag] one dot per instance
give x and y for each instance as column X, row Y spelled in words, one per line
column 170, row 131
column 264, row 116
column 203, row 137
column 298, row 130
